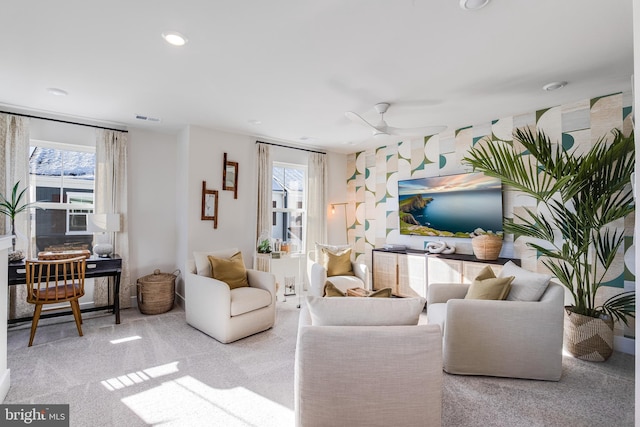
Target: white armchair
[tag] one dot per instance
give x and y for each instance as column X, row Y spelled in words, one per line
column 367, row 375
column 317, row 275
column 516, row 339
column 223, row 313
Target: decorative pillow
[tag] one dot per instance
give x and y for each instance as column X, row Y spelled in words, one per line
column 231, row 270
column 492, row 288
column 337, row 264
column 364, row 311
column 201, row 259
column 381, row 293
column 526, row 285
column 486, row 273
column 334, row 249
column 330, row 290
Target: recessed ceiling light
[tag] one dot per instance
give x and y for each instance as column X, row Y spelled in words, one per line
column 57, row 92
column 255, row 122
column 473, row 4
column 174, row 38
column 553, row 86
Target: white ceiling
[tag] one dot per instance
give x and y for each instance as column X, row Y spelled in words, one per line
column 298, row 65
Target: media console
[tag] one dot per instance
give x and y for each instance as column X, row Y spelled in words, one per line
column 409, row 272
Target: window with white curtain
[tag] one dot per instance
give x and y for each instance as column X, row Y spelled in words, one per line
column 289, row 205
column 61, row 182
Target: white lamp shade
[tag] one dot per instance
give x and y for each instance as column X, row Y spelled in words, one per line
column 100, row 223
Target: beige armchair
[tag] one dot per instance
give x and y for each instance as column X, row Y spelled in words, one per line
column 317, row 276
column 517, row 339
column 368, row 375
column 223, row 313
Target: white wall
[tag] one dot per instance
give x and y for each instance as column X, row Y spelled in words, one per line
column 152, row 204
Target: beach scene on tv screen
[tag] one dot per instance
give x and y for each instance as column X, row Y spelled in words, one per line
column 450, row 206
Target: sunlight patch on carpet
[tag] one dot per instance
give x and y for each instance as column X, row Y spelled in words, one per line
column 126, row 339
column 132, row 378
column 187, row 401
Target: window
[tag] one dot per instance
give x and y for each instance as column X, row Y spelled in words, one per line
column 289, row 205
column 61, row 183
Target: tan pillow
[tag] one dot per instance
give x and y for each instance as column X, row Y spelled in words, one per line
column 337, row 264
column 381, row 293
column 492, row 288
column 229, row 270
column 330, row 290
column 486, row 273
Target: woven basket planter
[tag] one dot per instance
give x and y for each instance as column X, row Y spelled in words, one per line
column 487, row 246
column 588, row 338
column 156, row 292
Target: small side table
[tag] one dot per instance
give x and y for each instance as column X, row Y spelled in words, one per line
column 286, row 268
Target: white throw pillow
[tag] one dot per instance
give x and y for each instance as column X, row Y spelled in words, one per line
column 356, row 311
column 203, row 266
column 526, row 285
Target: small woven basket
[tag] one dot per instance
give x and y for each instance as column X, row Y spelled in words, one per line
column 487, row 246
column 156, row 292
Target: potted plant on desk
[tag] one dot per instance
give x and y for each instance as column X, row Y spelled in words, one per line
column 582, row 195
column 11, row 208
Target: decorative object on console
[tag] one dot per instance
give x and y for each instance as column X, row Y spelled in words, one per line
column 103, row 225
column 440, row 247
column 230, row 176
column 582, row 195
column 486, row 245
column 264, row 244
column 209, row 205
column 11, row 208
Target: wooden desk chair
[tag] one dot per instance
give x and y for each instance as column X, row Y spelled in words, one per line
column 54, row 282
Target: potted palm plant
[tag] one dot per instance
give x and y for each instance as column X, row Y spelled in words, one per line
column 581, row 196
column 11, row 208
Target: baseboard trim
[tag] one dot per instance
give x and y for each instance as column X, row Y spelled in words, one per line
column 5, row 383
column 624, row 344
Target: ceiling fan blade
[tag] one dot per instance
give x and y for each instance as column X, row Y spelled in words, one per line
column 358, row 119
column 421, row 131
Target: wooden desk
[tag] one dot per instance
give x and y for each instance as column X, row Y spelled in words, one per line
column 96, row 267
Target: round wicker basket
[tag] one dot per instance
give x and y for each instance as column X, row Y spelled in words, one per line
column 487, row 246
column 156, row 292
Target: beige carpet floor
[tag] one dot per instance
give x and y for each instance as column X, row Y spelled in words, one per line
column 157, row 370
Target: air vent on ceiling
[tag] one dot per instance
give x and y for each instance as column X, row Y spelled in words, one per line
column 147, row 118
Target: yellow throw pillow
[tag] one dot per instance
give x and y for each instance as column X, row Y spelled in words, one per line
column 231, row 270
column 330, row 290
column 337, row 264
column 486, row 273
column 381, row 293
column 490, row 289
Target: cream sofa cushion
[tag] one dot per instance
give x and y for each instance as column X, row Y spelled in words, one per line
column 526, row 285
column 246, row 299
column 364, row 311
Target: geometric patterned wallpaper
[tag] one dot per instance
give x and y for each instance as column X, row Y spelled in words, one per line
column 372, row 183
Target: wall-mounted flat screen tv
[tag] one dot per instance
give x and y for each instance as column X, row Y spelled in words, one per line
column 450, row 206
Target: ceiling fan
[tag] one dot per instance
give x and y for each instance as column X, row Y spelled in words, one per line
column 382, row 129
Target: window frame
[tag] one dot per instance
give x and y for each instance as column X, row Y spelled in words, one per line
column 301, row 211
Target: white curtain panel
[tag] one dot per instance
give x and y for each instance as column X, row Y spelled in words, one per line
column 14, row 161
column 316, row 200
column 111, row 197
column 14, row 131
column 265, row 172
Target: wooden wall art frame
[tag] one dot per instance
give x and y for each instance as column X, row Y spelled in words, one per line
column 230, row 176
column 209, row 205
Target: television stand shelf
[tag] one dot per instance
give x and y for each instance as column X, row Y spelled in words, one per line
column 409, row 272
